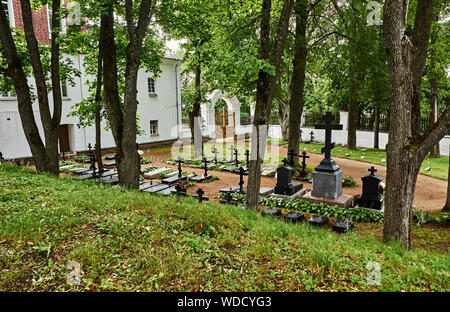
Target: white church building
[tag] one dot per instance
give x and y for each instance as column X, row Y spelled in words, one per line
column 159, row 112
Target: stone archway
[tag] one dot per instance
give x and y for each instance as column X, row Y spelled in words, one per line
column 233, row 113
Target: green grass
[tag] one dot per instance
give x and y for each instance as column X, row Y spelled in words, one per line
column 126, row 240
column 438, row 166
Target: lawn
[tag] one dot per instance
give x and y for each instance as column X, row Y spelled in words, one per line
column 131, row 241
column 438, row 166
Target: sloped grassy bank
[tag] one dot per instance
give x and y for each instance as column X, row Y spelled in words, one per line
column 126, row 240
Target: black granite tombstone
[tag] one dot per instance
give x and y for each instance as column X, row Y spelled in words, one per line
column 370, row 197
column 318, row 220
column 284, row 185
column 294, row 217
column 342, row 226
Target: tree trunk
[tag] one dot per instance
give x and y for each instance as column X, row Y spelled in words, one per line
column 405, row 153
column 265, row 89
column 376, row 129
column 98, row 108
column 435, row 152
column 297, row 86
column 420, row 39
column 195, row 112
column 45, row 157
column 123, row 122
column 283, row 118
column 352, row 110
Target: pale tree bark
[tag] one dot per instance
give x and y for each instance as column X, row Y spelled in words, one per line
column 265, row 90
column 123, row 122
column 297, row 85
column 45, row 157
column 283, row 117
column 405, row 153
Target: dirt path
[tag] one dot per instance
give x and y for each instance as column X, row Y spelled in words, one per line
column 430, row 192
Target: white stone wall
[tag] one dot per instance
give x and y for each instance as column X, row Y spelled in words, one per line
column 164, row 107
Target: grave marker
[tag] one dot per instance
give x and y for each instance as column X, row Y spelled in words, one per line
column 370, row 197
column 200, row 197
column 284, row 185
column 303, row 156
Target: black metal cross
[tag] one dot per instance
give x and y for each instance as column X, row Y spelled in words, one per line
column 247, row 157
column 312, row 136
column 200, row 197
column 179, row 161
column 328, row 117
column 90, row 147
column 205, row 161
column 303, row 155
column 372, row 170
column 236, row 153
column 241, row 180
column 291, row 155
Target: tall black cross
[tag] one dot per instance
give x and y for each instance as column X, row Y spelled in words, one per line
column 236, row 153
column 372, row 170
column 327, row 164
column 247, row 157
column 205, row 161
column 232, row 151
column 291, row 155
column 179, row 161
column 241, row 180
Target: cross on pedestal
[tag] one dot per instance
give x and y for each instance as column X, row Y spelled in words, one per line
column 205, row 161
column 303, row 156
column 372, row 170
column 241, row 180
column 327, row 164
column 232, row 151
column 179, row 161
column 291, row 155
column 236, row 161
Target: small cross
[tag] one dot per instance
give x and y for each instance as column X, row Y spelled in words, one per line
column 200, row 197
column 179, row 161
column 372, row 170
column 312, row 135
column 90, row 147
column 236, row 153
column 205, row 161
column 247, row 156
column 241, row 180
column 304, row 163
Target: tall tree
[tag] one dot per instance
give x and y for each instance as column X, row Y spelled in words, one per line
column 265, row 92
column 297, row 85
column 123, row 120
column 405, row 152
column 45, row 156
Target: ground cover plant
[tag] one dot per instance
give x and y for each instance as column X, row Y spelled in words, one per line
column 127, row 240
